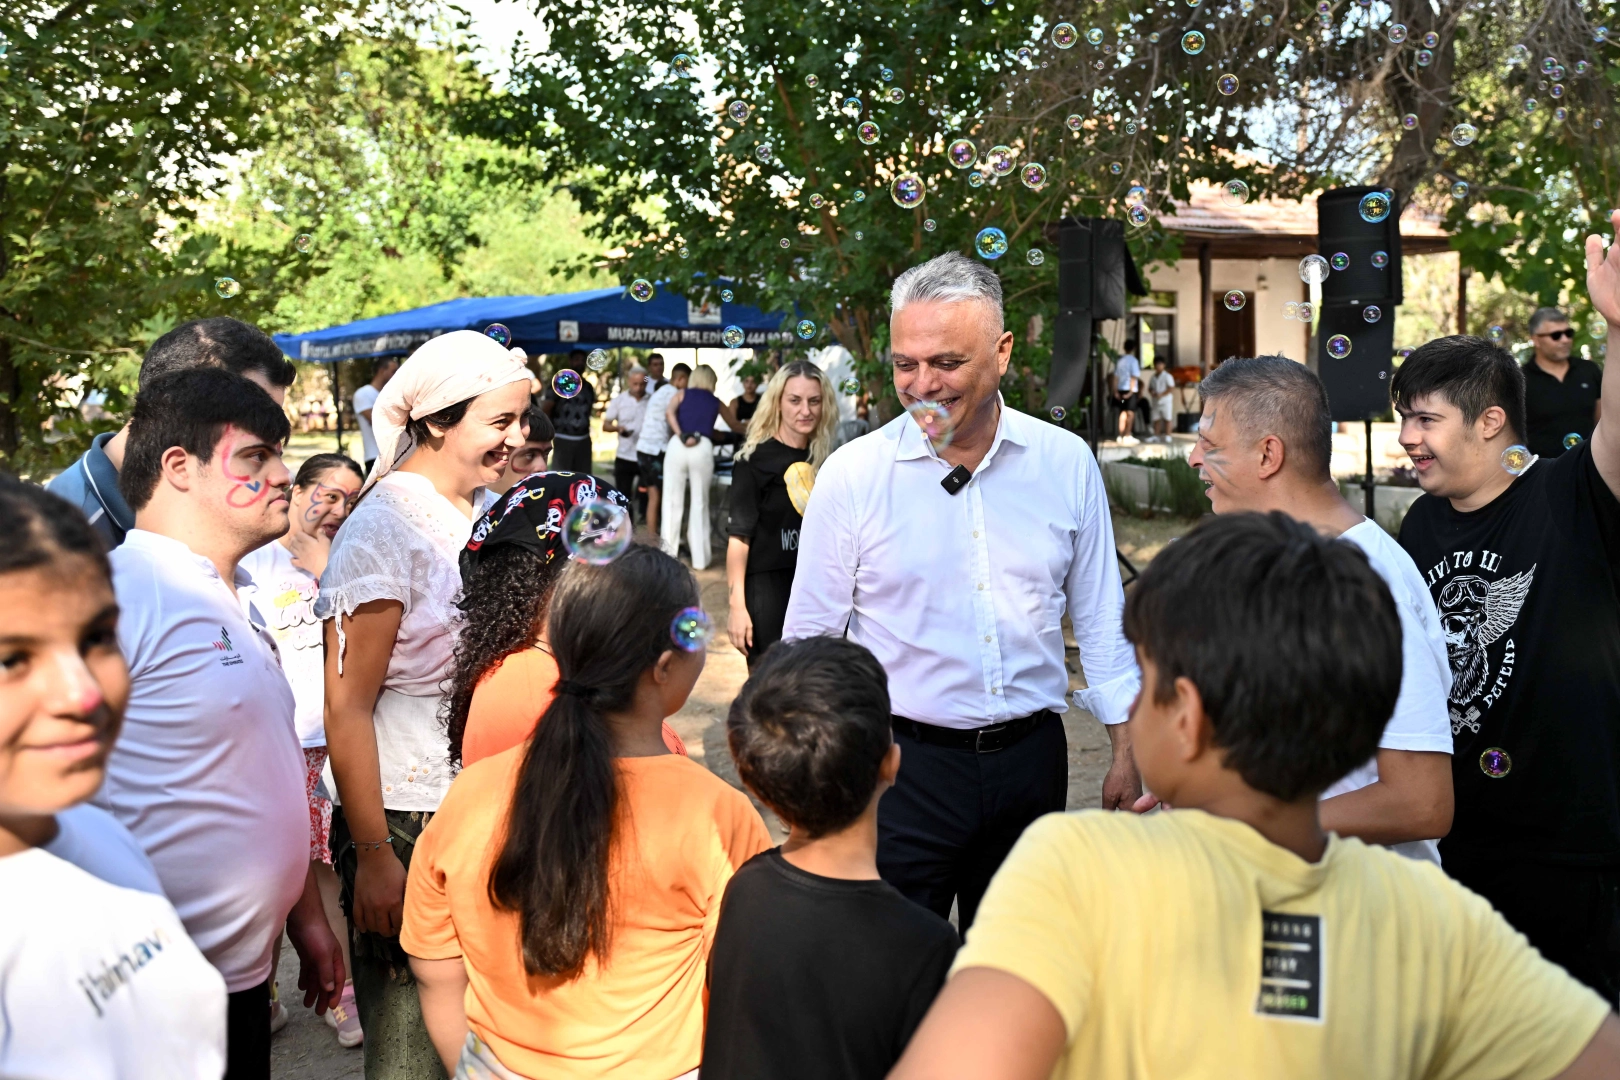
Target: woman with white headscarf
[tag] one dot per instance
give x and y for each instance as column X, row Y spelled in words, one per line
column 445, row 426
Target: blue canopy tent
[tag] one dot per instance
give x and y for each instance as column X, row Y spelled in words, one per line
column 596, row 318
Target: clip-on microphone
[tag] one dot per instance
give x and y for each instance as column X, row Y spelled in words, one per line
column 956, row 480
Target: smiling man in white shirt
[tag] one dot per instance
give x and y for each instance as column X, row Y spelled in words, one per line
column 955, row 561
column 207, row 772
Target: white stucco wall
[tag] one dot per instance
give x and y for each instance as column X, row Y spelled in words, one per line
column 1269, row 283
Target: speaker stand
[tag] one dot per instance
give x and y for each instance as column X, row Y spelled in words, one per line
column 1367, row 484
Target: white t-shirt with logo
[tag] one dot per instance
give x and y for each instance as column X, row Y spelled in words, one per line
column 94, row 841
column 207, row 772
column 99, row 982
column 285, row 596
column 1420, row 721
column 364, row 399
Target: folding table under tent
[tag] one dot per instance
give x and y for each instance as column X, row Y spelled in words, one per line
column 596, row 318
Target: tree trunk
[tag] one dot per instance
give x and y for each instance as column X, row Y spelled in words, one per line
column 9, row 383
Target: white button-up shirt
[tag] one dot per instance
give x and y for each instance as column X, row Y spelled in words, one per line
column 961, row 597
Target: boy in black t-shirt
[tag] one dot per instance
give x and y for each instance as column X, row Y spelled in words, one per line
column 820, row 970
column 1522, row 558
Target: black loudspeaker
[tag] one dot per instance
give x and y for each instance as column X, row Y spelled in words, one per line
column 1357, row 378
column 1095, row 273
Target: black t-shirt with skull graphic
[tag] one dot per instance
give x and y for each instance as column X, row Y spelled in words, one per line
column 1528, row 592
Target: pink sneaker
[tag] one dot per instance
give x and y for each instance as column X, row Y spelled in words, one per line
column 343, row 1019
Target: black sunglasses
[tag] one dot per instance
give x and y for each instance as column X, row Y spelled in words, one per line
column 1556, row 335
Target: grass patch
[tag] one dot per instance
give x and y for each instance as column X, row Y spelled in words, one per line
column 1180, row 489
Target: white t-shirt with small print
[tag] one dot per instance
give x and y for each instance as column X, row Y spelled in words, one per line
column 99, row 982
column 97, row 843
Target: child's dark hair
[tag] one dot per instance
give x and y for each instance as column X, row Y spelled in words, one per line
column 191, row 409
column 607, row 625
column 37, row 528
column 318, row 466
column 537, row 424
column 810, row 729
column 1469, row 373
column 1291, row 639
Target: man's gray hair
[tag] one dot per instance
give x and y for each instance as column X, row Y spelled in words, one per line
column 635, row 369
column 947, row 279
column 1272, row 395
column 1546, row 315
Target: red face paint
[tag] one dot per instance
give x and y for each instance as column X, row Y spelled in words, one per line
column 244, row 491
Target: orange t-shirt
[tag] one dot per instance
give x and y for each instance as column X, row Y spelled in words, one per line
column 683, row 833
column 508, row 702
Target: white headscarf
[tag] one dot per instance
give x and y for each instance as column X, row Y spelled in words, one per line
column 443, row 371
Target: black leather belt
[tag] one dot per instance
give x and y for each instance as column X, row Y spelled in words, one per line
column 984, row 740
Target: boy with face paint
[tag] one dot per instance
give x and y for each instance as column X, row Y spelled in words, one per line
column 1520, row 554
column 208, row 774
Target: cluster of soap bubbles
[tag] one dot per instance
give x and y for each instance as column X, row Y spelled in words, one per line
column 499, row 333
column 567, row 383
column 934, row 421
column 691, row 630
column 991, row 243
column 1516, row 459
column 1300, row 310
column 596, row 532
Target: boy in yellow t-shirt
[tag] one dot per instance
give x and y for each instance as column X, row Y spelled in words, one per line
column 1231, row 937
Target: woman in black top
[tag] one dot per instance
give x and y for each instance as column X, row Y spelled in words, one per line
column 747, row 403
column 789, row 437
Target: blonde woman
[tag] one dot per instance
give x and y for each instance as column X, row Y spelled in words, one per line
column 789, row 437
column 689, row 457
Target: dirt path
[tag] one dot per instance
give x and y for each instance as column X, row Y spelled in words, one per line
column 306, row 1049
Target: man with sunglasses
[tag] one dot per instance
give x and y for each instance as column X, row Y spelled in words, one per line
column 1560, row 390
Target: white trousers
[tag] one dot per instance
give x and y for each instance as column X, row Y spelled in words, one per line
column 687, row 466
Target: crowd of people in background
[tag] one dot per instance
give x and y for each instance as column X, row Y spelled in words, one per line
column 1365, row 789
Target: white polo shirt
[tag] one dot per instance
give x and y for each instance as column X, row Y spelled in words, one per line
column 207, row 772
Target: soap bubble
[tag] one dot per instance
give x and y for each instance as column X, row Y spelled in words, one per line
column 1516, row 459
column 1397, row 33
column 738, row 110
column 1340, row 261
column 1496, row 333
column 1423, row 57
column 1380, row 259
column 1519, row 54
column 929, row 225
column 685, row 253
column 1135, row 194
column 817, row 201
column 597, row 360
column 1130, row 127
column 1234, row 193
column 1431, row 39
column 935, row 421
column 1265, row 20
column 852, row 105
column 1074, row 121
column 1227, row 84
column 303, row 242
column 641, row 290
column 732, row 337
column 691, row 630
column 1557, row 90
column 1409, row 121
column 962, row 153
column 1025, row 54
column 1572, row 440
column 1600, row 35
column 1404, row 353
column 806, row 330
column 1530, row 105
column 784, row 243
column 1372, row 313
column 567, row 383
column 975, row 179
column 1374, row 207
column 1338, row 346
column 1562, row 113
column 227, row 287
column 1000, row 160
column 867, row 132
column 1035, row 256
column 1459, row 190
column 1192, row 43
column 859, row 235
column 764, row 152
column 1495, row 762
column 1115, row 168
column 850, row 387
column 1033, row 175
column 1058, row 413
column 596, row 532
column 858, row 195
column 1095, row 35
column 1137, row 213
column 725, row 296
column 1234, row 300
column 1306, row 311
column 681, row 65
column 1582, row 67
column 1291, row 310
column 1154, row 37
column 895, row 95
column 1548, row 63
column 991, row 243
column 907, row 191
column 886, row 74
column 812, row 80
column 346, row 81
column 1064, row 35
column 499, row 333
